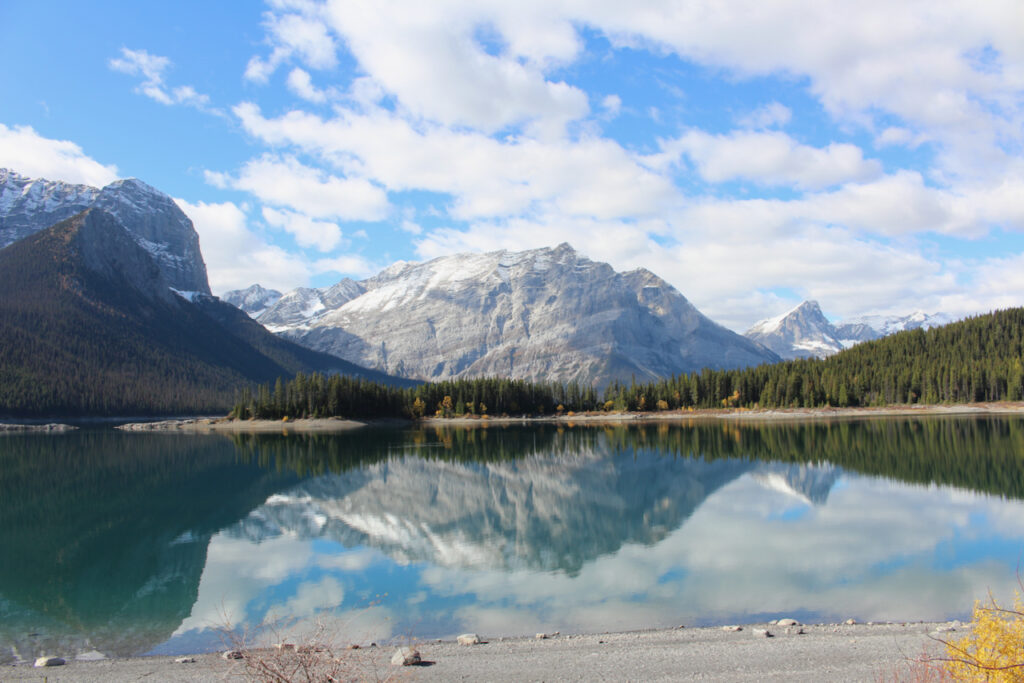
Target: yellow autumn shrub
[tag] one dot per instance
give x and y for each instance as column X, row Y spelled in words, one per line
column 992, row 651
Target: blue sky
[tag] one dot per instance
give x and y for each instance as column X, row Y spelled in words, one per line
column 752, row 154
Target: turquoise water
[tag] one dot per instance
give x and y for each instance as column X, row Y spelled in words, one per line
column 132, row 543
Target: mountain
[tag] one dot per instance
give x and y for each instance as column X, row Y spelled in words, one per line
column 804, row 332
column 544, row 314
column 800, row 333
column 151, row 218
column 90, row 326
column 883, row 326
column 253, row 300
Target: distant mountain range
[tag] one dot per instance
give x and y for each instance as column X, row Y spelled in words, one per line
column 804, row 332
column 545, row 314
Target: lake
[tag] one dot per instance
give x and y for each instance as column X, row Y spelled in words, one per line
column 153, row 543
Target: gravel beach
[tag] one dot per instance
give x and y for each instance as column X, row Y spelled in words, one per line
column 818, row 653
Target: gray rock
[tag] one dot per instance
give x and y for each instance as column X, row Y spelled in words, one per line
column 185, row 660
column 850, row 622
column 541, row 636
column 232, row 654
column 732, row 629
column 49, row 661
column 469, row 639
column 787, row 622
column 150, row 217
column 405, row 656
column 544, row 314
column 762, row 633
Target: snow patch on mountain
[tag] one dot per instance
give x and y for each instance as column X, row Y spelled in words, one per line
column 542, row 314
column 805, row 332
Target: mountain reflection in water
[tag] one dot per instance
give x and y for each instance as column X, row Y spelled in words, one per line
column 128, row 543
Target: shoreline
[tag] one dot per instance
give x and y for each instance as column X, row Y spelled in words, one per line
column 818, row 652
column 338, row 424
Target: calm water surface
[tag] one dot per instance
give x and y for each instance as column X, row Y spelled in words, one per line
column 123, row 544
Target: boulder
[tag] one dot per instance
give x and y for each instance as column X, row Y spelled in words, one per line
column 787, row 622
column 469, row 639
column 405, row 656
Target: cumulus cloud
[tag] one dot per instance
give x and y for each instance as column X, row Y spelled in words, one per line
column 295, row 31
column 300, row 83
column 24, row 150
column 236, row 256
column 151, row 68
column 486, row 176
column 287, row 182
column 772, row 158
column 307, row 231
column 465, row 64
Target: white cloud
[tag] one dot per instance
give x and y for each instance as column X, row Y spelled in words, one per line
column 432, row 58
column 772, row 158
column 287, row 182
column 300, row 83
column 151, row 68
column 612, row 105
column 307, row 231
column 769, row 116
column 24, row 150
column 237, row 257
column 487, row 177
column 298, row 31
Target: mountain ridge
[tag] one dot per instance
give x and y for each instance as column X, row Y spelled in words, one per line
column 541, row 314
column 152, row 219
column 805, row 332
column 95, row 330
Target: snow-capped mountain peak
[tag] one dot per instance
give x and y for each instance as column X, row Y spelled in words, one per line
column 540, row 314
column 805, row 332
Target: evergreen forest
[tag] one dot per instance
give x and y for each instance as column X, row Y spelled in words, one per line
column 978, row 359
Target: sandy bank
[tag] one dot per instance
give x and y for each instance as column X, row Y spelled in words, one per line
column 819, row 653
column 336, row 424
column 223, row 424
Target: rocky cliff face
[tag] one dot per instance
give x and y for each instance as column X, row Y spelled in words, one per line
column 253, row 300
column 152, row 219
column 545, row 314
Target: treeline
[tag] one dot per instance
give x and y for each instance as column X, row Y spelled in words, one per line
column 977, row 359
column 317, row 395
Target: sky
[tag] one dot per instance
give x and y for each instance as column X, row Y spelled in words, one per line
column 754, row 154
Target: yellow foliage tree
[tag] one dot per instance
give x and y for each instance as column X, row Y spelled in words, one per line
column 992, row 651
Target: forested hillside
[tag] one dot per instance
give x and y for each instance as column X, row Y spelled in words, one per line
column 977, row 359
column 88, row 326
